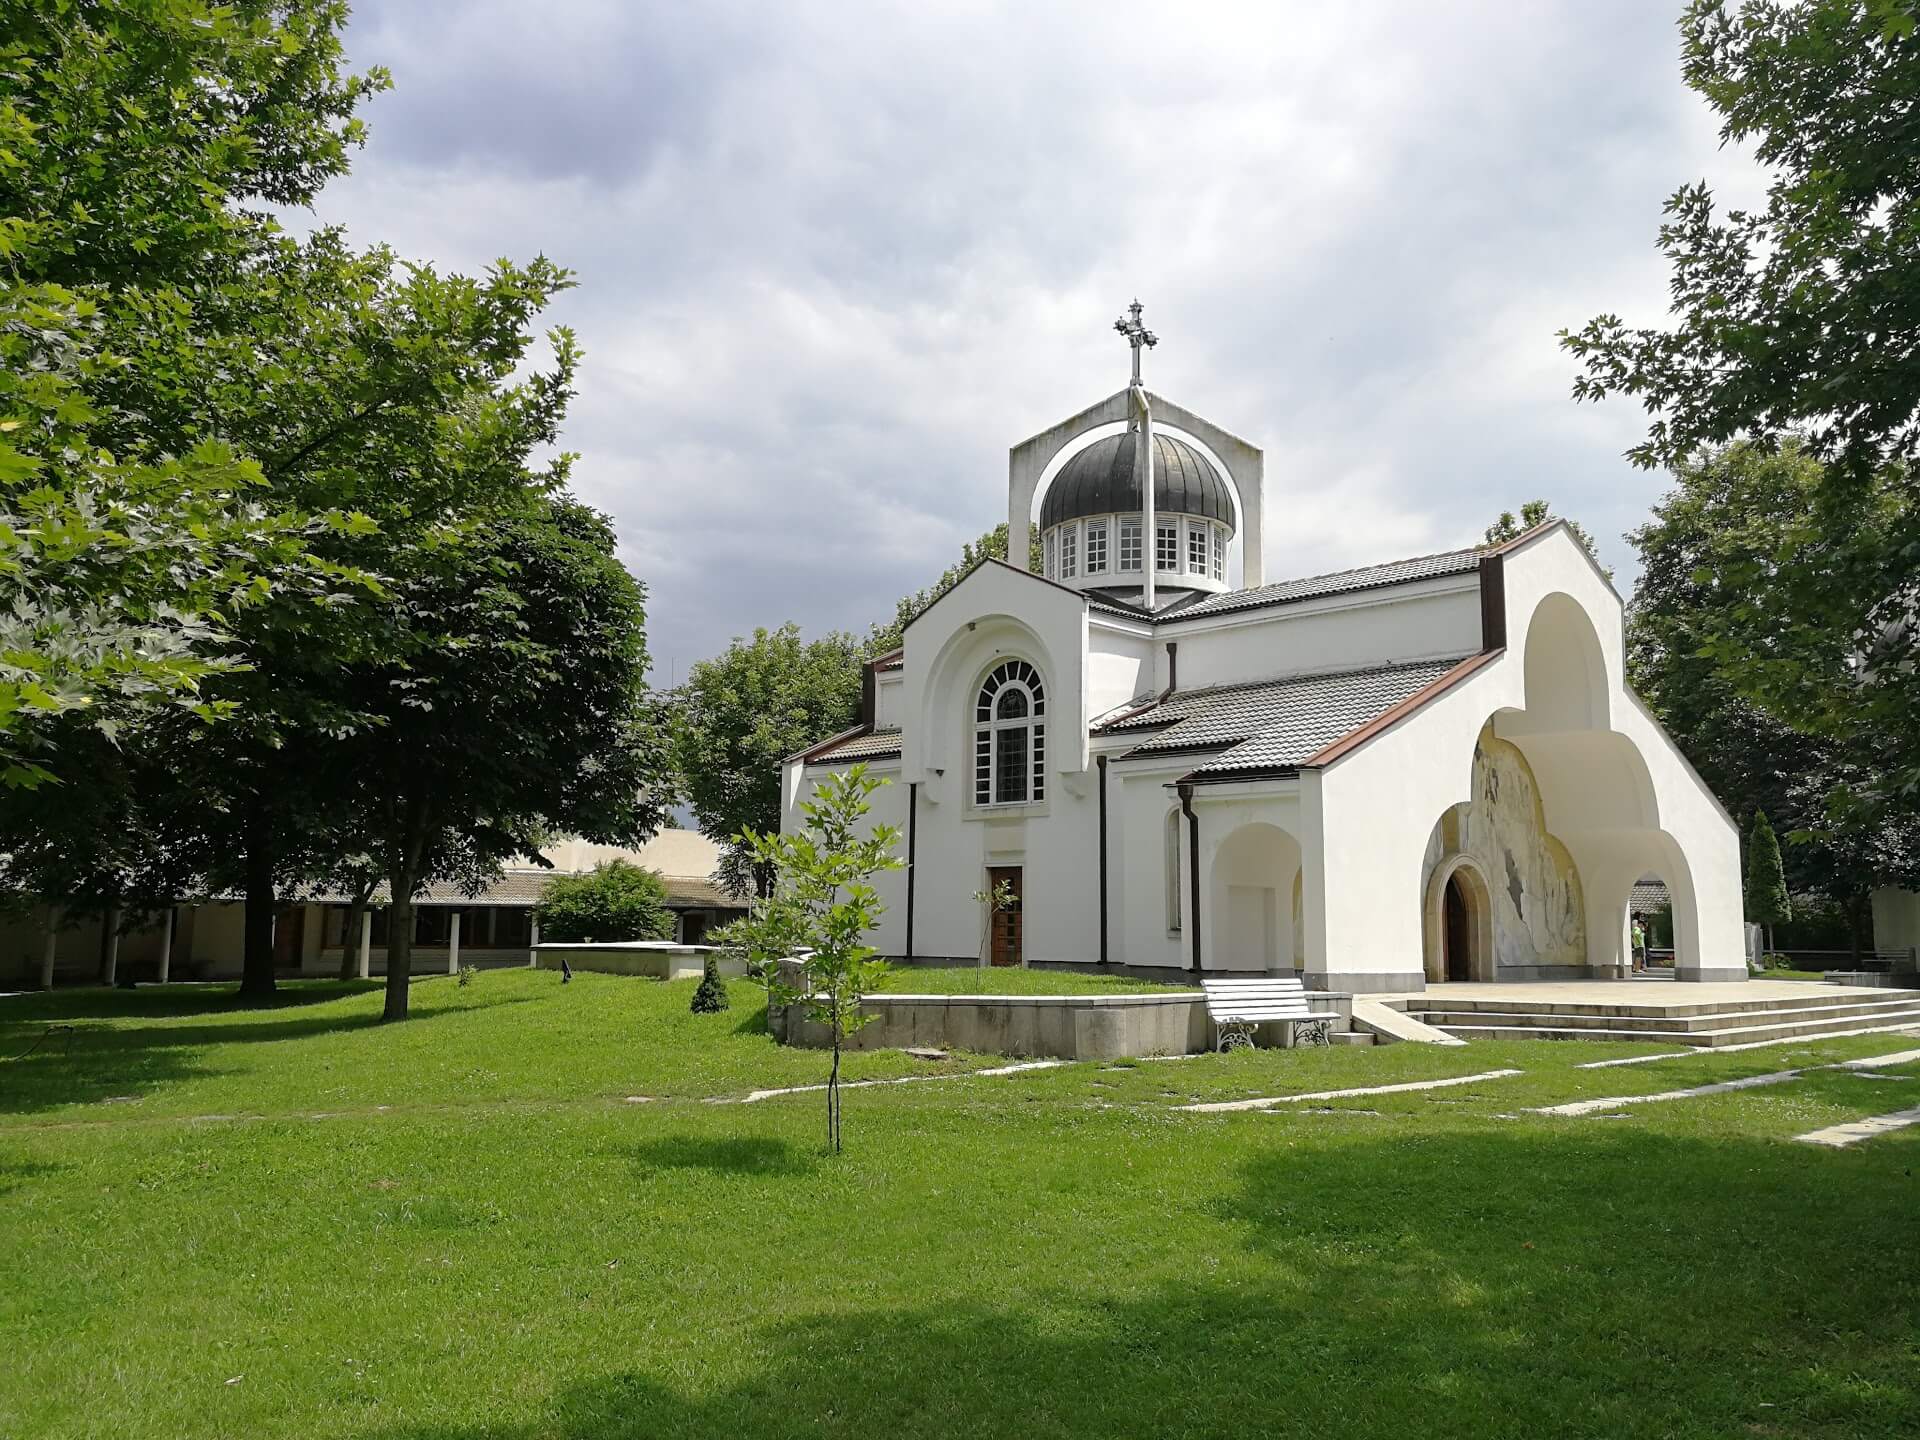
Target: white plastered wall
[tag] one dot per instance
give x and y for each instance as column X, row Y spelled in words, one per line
column 1614, row 789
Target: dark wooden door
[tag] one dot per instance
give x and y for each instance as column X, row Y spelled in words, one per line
column 1459, row 958
column 1005, row 949
column 289, row 933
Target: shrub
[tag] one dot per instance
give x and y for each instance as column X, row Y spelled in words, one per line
column 711, row 997
column 613, row 901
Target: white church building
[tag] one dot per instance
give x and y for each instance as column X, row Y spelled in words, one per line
column 1430, row 769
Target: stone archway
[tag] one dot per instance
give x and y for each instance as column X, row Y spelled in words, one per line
column 1459, row 922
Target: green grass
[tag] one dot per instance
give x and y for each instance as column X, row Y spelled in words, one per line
column 511, row 1249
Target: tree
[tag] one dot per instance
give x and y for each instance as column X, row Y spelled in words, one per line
column 821, row 909
column 1787, row 318
column 973, row 554
column 132, row 137
column 615, row 901
column 743, row 713
column 509, row 703
column 1533, row 514
column 710, row 998
column 1766, row 888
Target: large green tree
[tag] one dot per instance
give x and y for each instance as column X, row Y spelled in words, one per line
column 742, row 713
column 1791, row 327
column 133, row 136
column 508, row 703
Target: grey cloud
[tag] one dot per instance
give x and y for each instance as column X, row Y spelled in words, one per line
column 835, row 259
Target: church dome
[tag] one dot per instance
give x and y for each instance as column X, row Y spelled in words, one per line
column 1100, row 480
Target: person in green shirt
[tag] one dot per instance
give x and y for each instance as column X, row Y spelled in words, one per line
column 1639, row 946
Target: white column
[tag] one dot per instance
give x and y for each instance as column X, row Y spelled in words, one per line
column 366, row 942
column 453, row 943
column 533, row 943
column 111, row 969
column 166, row 944
column 48, row 955
column 1149, row 522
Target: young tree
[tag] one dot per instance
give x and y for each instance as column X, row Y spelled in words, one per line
column 510, row 704
column 710, row 997
column 614, row 901
column 743, row 713
column 1767, row 901
column 821, row 910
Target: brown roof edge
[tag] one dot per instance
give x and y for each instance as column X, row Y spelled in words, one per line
column 1432, row 690
column 827, row 744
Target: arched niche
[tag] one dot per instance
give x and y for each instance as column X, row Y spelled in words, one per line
column 1251, row 886
column 1567, row 687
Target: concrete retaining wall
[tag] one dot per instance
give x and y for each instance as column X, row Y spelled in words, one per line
column 654, row 959
column 1065, row 1027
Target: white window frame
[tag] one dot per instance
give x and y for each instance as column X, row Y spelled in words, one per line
column 991, row 734
column 1050, row 563
column 1069, row 549
column 1197, row 538
column 1166, row 547
column 1129, row 541
column 1096, row 549
column 1220, row 553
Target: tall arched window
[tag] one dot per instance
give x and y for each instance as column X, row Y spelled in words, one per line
column 1010, row 737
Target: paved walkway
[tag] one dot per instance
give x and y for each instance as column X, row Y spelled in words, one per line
column 1838, row 1137
column 1267, row 1102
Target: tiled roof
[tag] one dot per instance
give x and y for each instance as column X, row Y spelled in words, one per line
column 523, row 887
column 1649, row 895
column 1275, row 724
column 877, row 745
column 1341, row 582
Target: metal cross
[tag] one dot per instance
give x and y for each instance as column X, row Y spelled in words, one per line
column 1137, row 335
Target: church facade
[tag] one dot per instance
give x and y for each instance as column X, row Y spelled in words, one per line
column 1429, row 769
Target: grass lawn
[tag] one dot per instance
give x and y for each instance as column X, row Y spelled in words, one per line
column 295, row 1222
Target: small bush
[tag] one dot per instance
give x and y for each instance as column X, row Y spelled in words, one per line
column 614, row 901
column 711, row 997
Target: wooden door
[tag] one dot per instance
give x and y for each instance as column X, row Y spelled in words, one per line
column 289, row 935
column 1005, row 949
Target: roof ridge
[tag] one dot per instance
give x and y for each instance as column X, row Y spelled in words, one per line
column 1481, row 549
column 1383, row 668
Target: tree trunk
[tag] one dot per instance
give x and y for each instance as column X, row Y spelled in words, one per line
column 350, row 938
column 256, row 966
column 1856, row 931
column 833, row 1089
column 399, row 947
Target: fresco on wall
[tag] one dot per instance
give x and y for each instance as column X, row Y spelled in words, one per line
column 1538, row 911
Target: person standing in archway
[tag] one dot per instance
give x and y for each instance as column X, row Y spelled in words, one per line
column 1639, row 946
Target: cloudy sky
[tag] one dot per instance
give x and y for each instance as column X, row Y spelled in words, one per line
column 835, row 259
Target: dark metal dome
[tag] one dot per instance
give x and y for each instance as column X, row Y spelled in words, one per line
column 1100, row 480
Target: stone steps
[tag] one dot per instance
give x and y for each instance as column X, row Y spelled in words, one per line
column 1676, row 1025
column 1702, row 1039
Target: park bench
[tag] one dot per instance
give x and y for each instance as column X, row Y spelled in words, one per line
column 1236, row 1007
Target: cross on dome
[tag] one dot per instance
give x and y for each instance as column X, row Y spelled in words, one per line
column 1137, row 334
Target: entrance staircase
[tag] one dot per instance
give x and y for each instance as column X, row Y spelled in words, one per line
column 1670, row 1019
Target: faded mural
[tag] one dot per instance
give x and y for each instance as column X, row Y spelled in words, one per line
column 1538, row 911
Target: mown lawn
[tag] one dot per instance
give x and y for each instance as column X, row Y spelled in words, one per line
column 296, row 1222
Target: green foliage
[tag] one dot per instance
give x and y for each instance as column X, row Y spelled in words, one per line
column 1533, row 514
column 615, row 901
column 744, row 712
column 132, row 138
column 973, row 554
column 1784, row 314
column 1766, row 887
column 710, row 996
column 821, row 909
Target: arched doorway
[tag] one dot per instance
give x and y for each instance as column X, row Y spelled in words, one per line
column 1252, row 877
column 1459, row 928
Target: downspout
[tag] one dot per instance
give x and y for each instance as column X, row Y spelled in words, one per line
column 1173, row 668
column 1193, row 887
column 1101, row 761
column 913, row 840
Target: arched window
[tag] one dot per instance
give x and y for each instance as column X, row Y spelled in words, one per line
column 1010, row 737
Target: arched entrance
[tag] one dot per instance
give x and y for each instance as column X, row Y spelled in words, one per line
column 1459, row 928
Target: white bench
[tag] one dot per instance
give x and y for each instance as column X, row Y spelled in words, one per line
column 1237, row 1006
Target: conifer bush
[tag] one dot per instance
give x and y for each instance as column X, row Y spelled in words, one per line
column 711, row 997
